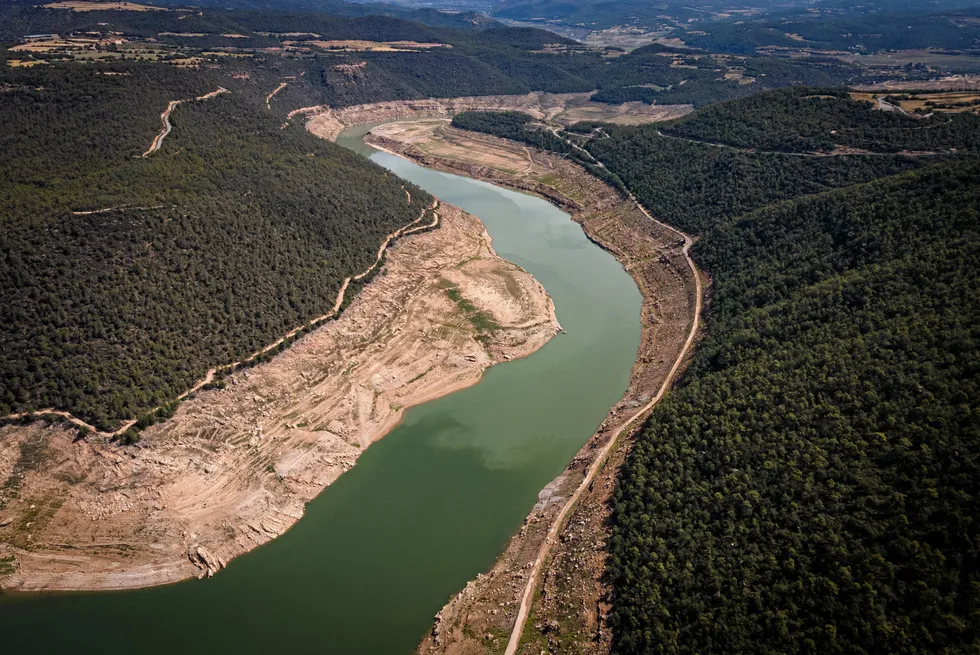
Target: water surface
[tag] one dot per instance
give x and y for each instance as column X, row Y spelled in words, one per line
column 425, row 509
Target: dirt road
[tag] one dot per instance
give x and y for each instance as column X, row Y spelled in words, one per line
column 559, row 522
column 268, row 98
column 165, row 126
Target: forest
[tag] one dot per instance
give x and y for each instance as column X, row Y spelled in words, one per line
column 234, row 233
column 882, row 28
column 693, row 185
column 657, row 74
column 481, row 58
column 801, row 119
column 812, row 485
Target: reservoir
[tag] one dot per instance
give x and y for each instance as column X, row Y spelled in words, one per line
column 425, row 509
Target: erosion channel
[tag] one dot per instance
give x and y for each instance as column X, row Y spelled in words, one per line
column 425, row 509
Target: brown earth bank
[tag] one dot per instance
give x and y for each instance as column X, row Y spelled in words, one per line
column 235, row 466
column 565, row 108
column 567, row 615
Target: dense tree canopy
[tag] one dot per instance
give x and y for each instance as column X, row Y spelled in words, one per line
column 235, row 232
column 692, row 185
column 811, row 120
column 812, row 487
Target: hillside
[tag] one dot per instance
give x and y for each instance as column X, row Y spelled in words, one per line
column 123, row 278
column 864, row 29
column 822, row 120
column 734, row 157
column 348, row 60
column 694, row 185
column 812, row 486
column 814, row 478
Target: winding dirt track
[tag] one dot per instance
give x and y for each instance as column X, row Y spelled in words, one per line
column 268, row 98
column 165, row 125
column 558, row 524
column 410, row 228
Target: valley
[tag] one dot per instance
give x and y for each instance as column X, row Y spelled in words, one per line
column 592, row 303
column 527, row 327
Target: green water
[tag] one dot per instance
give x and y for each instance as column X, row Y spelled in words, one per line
column 425, row 509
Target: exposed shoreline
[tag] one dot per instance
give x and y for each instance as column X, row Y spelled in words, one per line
column 328, row 122
column 495, row 605
column 234, row 468
column 84, row 541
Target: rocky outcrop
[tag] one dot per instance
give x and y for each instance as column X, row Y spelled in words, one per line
column 202, row 558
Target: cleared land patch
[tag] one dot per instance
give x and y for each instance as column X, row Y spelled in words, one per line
column 90, row 47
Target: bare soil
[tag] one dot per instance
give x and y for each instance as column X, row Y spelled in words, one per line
column 566, row 108
column 234, row 467
column 567, row 615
